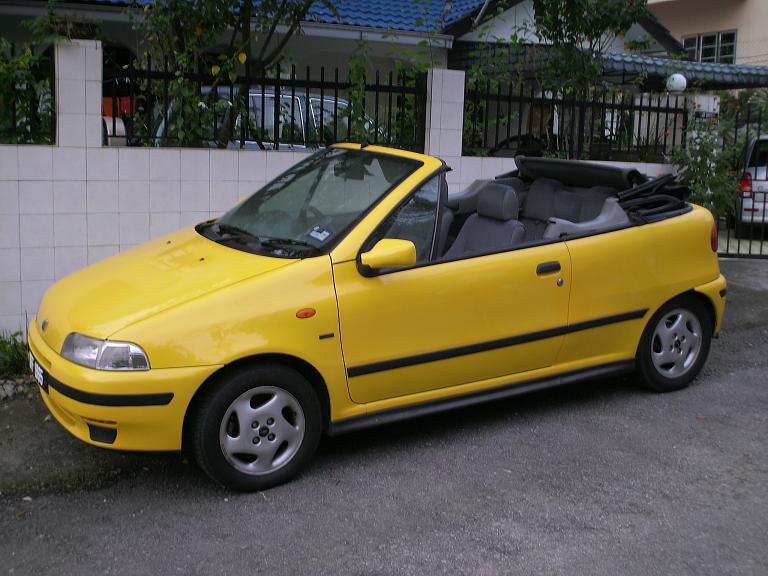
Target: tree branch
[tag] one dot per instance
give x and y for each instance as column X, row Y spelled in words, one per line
column 272, row 28
column 297, row 19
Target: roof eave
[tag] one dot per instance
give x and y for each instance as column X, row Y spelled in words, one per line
column 661, row 34
column 354, row 32
column 464, row 24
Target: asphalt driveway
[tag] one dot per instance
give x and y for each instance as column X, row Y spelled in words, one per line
column 600, row 478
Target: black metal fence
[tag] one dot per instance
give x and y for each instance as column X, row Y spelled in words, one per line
column 505, row 119
column 268, row 110
column 741, row 228
column 27, row 96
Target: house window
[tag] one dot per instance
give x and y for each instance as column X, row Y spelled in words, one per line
column 711, row 47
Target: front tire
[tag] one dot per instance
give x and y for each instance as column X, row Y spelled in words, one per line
column 674, row 345
column 258, row 427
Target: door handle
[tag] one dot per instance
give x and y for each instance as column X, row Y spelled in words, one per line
column 547, row 268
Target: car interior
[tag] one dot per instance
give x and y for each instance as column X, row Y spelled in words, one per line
column 544, row 199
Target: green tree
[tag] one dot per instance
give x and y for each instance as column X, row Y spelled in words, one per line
column 577, row 31
column 218, row 38
column 707, row 163
column 25, row 96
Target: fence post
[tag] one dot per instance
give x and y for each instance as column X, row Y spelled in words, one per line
column 78, row 71
column 444, row 113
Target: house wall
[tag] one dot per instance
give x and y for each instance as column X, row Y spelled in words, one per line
column 519, row 20
column 747, row 17
column 316, row 51
column 318, row 44
column 66, row 206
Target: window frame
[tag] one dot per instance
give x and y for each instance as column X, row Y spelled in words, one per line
column 718, row 58
column 257, row 101
column 342, row 235
column 369, row 243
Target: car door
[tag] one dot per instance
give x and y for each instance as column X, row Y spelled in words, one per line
column 620, row 278
column 330, row 123
column 292, row 121
column 441, row 324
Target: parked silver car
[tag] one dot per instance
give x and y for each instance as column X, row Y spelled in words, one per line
column 753, row 186
column 305, row 122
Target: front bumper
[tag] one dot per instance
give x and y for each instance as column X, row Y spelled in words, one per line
column 120, row 410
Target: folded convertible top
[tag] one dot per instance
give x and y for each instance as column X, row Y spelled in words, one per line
column 576, row 173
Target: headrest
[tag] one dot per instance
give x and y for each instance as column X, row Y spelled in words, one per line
column 497, row 201
column 513, row 181
column 540, row 203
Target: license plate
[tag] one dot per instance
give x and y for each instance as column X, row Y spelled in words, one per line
column 37, row 371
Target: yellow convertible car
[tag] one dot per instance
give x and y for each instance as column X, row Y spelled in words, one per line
column 353, row 291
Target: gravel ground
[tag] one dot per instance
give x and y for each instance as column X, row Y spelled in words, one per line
column 11, row 388
column 599, row 478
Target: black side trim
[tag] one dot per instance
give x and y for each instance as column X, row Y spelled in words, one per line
column 108, row 399
column 442, row 405
column 102, row 434
column 490, row 344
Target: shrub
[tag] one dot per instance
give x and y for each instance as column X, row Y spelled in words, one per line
column 13, row 355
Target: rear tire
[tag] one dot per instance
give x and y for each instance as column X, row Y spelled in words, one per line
column 674, row 345
column 740, row 229
column 258, row 427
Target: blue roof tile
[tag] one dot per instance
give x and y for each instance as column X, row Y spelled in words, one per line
column 415, row 15
column 704, row 73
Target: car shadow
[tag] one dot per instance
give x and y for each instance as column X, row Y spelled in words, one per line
column 172, row 472
column 447, row 426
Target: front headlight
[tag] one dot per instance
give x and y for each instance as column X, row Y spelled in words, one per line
column 104, row 354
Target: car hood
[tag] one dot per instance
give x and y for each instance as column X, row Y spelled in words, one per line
column 134, row 285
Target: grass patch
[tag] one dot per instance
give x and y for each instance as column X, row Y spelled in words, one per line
column 13, row 355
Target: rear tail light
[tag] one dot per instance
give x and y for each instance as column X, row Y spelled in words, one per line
column 745, row 185
column 713, row 237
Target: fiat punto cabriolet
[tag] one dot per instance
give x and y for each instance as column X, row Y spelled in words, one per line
column 353, row 291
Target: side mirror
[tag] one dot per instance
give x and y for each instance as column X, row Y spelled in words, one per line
column 390, row 253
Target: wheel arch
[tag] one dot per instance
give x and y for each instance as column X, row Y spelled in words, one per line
column 692, row 293
column 651, row 377
column 708, row 304
column 306, row 369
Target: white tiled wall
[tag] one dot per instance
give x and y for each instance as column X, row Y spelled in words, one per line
column 62, row 208
column 75, row 206
column 65, row 206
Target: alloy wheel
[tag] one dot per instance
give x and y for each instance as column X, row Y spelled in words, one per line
column 676, row 343
column 262, row 430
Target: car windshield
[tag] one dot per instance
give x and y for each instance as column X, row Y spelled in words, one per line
column 309, row 207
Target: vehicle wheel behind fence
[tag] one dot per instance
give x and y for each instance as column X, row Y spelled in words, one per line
column 740, row 229
column 258, row 427
column 675, row 345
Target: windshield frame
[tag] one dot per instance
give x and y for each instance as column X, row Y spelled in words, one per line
column 328, row 247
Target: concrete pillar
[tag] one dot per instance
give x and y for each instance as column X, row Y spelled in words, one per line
column 445, row 119
column 78, row 93
column 445, row 112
